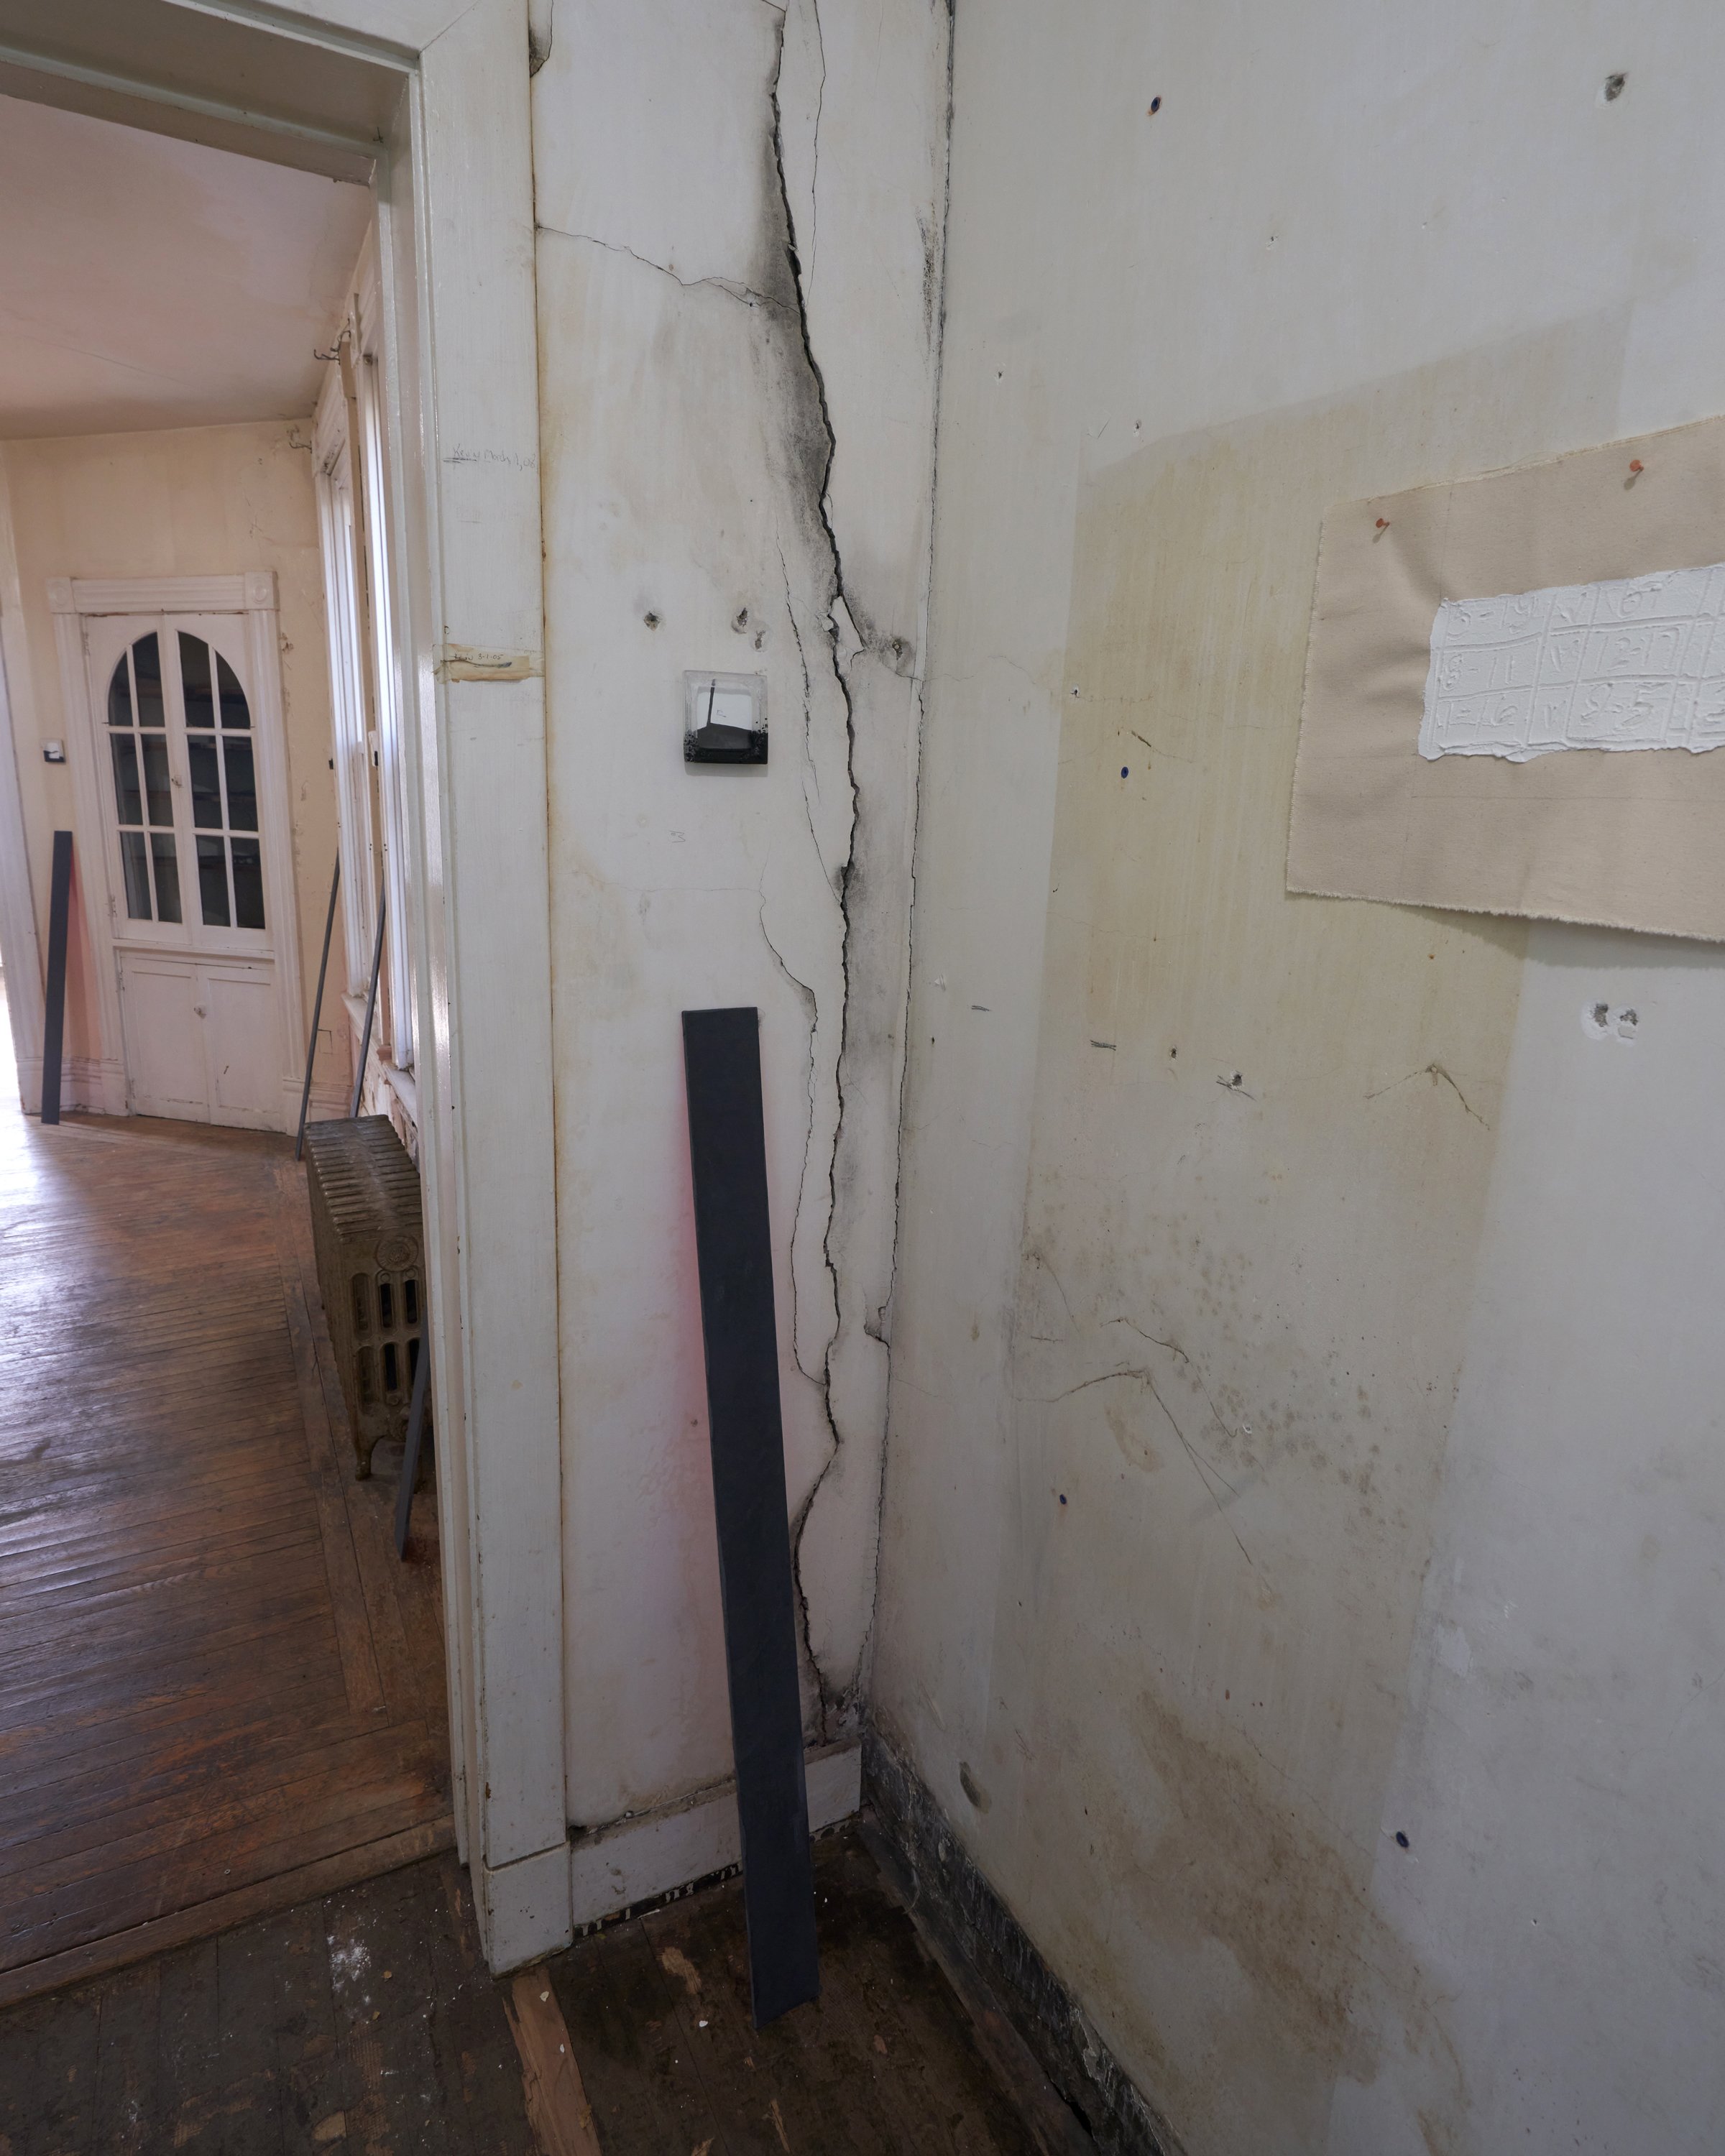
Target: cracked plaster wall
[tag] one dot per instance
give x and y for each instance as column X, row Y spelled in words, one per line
column 1305, row 1423
column 738, row 212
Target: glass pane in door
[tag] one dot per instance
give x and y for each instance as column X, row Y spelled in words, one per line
column 147, row 665
column 242, row 783
column 126, row 783
column 248, row 883
column 166, row 867
column 136, row 863
column 206, row 783
column 194, row 680
column 212, row 881
column 234, row 709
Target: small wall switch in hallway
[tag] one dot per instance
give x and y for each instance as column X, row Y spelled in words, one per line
column 725, row 718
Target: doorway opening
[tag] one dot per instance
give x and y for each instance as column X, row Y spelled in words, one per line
column 224, row 1690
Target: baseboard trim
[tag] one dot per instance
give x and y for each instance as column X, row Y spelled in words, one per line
column 621, row 1868
column 89, row 1082
column 950, row 1898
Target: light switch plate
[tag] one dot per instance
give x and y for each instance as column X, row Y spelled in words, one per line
column 725, row 718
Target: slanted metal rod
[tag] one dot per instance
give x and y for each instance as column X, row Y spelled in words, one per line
column 365, row 1038
column 323, row 967
column 416, row 1430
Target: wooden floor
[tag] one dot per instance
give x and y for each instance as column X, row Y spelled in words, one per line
column 367, row 2022
column 220, row 1692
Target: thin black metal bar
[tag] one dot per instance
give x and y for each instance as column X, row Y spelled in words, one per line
column 365, row 1038
column 733, row 1245
column 323, row 967
column 416, row 1431
column 53, row 1021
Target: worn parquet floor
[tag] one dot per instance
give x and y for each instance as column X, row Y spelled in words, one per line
column 367, row 2021
column 220, row 1692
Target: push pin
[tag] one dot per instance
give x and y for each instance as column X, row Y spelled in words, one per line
column 1635, row 465
column 1384, row 524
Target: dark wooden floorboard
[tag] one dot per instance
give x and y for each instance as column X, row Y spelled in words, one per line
column 216, row 1673
column 366, row 2019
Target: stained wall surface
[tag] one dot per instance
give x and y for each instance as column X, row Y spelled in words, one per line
column 738, row 212
column 1305, row 1501
column 184, row 502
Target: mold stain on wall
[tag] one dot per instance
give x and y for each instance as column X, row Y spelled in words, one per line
column 1264, row 1128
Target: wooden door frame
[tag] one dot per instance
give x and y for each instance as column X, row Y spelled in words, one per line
column 250, row 597
column 453, row 172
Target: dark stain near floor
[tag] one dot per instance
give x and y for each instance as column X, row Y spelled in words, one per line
column 886, row 2061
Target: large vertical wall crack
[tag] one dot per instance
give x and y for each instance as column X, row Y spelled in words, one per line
column 839, row 617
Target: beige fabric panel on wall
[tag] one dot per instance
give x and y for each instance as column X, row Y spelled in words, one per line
column 1623, row 840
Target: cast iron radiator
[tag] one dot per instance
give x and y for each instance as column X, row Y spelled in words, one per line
column 365, row 1227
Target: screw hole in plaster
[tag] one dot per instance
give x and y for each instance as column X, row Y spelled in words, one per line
column 1600, row 1022
column 651, row 620
column 972, row 1787
column 1614, row 89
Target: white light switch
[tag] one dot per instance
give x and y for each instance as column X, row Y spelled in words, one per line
column 725, row 718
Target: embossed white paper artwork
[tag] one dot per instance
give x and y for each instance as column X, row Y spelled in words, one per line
column 1635, row 663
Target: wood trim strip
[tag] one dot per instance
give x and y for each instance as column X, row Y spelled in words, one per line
column 557, row 2108
column 203, row 1920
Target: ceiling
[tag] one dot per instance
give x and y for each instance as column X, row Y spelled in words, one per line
column 149, row 282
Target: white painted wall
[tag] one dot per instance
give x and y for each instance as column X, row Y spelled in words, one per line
column 178, row 502
column 737, row 461
column 1285, row 1460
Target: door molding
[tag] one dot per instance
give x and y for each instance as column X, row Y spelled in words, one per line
column 252, row 594
column 18, row 947
column 454, row 188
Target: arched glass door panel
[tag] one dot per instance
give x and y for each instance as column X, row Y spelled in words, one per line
column 143, row 792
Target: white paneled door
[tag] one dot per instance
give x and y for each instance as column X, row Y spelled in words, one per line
column 178, row 763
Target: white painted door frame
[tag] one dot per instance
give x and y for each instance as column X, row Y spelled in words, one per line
column 454, row 175
column 19, row 950
column 75, row 600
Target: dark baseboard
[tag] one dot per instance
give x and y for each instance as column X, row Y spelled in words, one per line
column 964, row 1916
